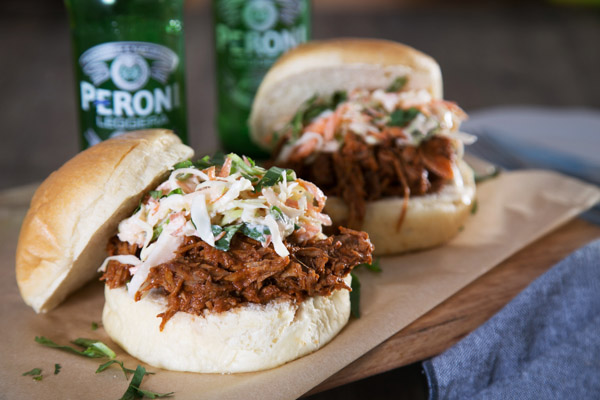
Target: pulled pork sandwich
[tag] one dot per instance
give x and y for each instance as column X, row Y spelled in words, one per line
column 222, row 267
column 365, row 121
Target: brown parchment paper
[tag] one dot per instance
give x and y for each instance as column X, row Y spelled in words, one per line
column 514, row 210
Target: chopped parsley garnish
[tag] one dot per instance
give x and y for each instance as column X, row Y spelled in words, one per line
column 183, row 164
column 373, row 267
column 355, row 296
column 57, row 368
column 34, row 372
column 273, row 176
column 246, row 167
column 251, row 161
column 133, row 390
column 338, row 97
column 313, row 107
column 397, row 85
column 355, row 286
column 93, row 348
column 158, row 230
column 403, row 117
column 155, row 194
column 216, row 159
column 484, row 177
column 224, row 242
column 280, row 216
column 175, row 191
column 277, row 213
column 256, row 232
column 297, row 122
column 158, row 194
column 313, row 112
column 474, row 207
column 94, row 326
column 107, row 364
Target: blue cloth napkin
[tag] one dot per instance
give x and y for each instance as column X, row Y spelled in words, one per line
column 544, row 344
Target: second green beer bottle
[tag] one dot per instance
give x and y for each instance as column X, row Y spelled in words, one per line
column 249, row 37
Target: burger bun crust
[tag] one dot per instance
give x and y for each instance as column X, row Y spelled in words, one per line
column 248, row 338
column 324, row 67
column 429, row 221
column 78, row 207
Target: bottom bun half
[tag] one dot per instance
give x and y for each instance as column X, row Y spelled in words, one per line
column 429, row 220
column 249, row 338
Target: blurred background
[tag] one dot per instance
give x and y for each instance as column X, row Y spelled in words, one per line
column 492, row 53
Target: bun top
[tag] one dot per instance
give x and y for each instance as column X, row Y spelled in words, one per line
column 324, row 67
column 78, row 207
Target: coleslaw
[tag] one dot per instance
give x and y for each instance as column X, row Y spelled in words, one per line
column 213, row 199
column 409, row 116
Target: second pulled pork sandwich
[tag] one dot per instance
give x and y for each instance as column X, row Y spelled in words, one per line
column 365, row 121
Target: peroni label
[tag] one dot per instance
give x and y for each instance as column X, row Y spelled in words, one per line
column 127, row 86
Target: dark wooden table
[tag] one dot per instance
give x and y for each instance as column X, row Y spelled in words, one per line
column 456, row 317
column 491, row 54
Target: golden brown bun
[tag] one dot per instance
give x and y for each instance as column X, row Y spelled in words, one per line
column 248, row 338
column 323, row 67
column 429, row 220
column 78, row 207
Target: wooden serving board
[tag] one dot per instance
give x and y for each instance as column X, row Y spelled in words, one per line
column 462, row 313
column 429, row 335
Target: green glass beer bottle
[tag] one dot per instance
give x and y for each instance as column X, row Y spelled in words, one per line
column 129, row 66
column 249, row 37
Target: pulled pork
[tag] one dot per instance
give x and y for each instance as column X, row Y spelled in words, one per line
column 359, row 172
column 201, row 277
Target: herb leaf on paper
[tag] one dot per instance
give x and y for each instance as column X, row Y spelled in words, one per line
column 133, row 390
column 93, row 348
column 355, row 296
column 126, row 371
column 355, row 286
column 35, row 373
column 373, row 267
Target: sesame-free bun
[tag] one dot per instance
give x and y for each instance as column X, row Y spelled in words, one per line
column 323, row 67
column 429, row 221
column 78, row 207
column 244, row 339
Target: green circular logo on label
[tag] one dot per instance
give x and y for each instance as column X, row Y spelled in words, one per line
column 260, row 15
column 129, row 71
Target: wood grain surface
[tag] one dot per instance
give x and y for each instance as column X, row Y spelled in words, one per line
column 446, row 324
column 466, row 310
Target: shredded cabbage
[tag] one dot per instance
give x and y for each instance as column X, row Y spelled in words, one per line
column 369, row 113
column 195, row 200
